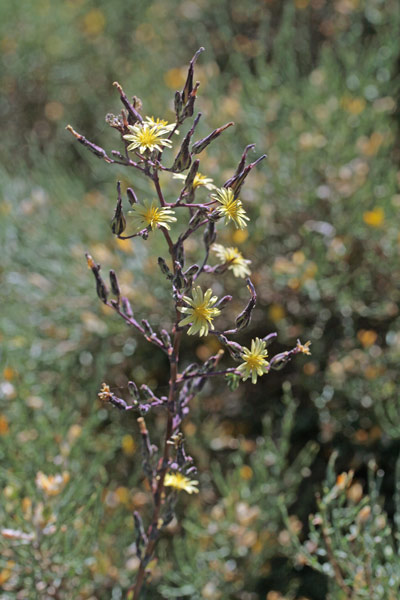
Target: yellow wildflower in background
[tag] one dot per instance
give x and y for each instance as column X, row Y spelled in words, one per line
column 234, row 258
column 375, row 217
column 254, row 361
column 147, row 137
column 180, row 482
column 199, row 181
column 200, row 311
column 151, row 215
column 231, row 208
column 52, row 485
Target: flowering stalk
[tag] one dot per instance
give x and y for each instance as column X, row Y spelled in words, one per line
column 169, row 469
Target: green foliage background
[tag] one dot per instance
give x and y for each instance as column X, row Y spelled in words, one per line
column 315, row 85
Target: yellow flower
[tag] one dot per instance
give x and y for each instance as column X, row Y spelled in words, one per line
column 52, row 484
column 375, row 217
column 254, row 361
column 147, row 137
column 180, row 482
column 234, row 259
column 151, row 215
column 105, row 393
column 200, row 312
column 231, row 208
column 303, row 348
column 199, row 181
column 160, row 124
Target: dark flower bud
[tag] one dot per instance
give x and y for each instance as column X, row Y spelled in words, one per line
column 235, row 349
column 214, row 216
column 166, row 338
column 201, row 144
column 114, row 284
column 101, row 287
column 126, row 307
column 212, row 362
column 134, row 116
column 184, row 158
column 278, row 361
column 191, row 369
column 179, row 280
column 189, row 107
column 180, row 254
column 119, row 403
column 147, row 393
column 147, row 328
column 268, row 339
column 97, row 150
column 189, row 275
column 141, row 537
column 191, row 271
column 236, row 182
column 131, row 196
column 165, row 270
column 197, row 218
column 188, row 88
column 118, row 223
column 133, row 390
column 178, row 104
column 244, row 318
column 223, row 302
column 192, row 174
column 210, row 235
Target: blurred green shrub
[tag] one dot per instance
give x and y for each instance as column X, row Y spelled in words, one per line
column 351, row 538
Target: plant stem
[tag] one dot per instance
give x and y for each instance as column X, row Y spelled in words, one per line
column 158, row 494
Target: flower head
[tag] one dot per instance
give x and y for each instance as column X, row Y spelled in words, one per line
column 200, row 311
column 254, row 361
column 231, row 208
column 199, row 181
column 53, row 484
column 303, row 348
column 180, row 482
column 146, row 136
column 151, row 215
column 233, row 258
column 160, row 124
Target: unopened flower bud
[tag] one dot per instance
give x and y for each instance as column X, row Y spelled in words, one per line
column 114, row 284
column 118, row 223
column 147, row 392
column 268, row 339
column 210, row 235
column 165, row 270
column 133, row 390
column 166, row 338
column 126, row 307
column 201, row 144
column 189, row 275
column 131, row 196
column 236, row 182
column 223, row 301
column 197, row 218
column 192, row 174
column 101, row 287
column 178, row 104
column 147, row 328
